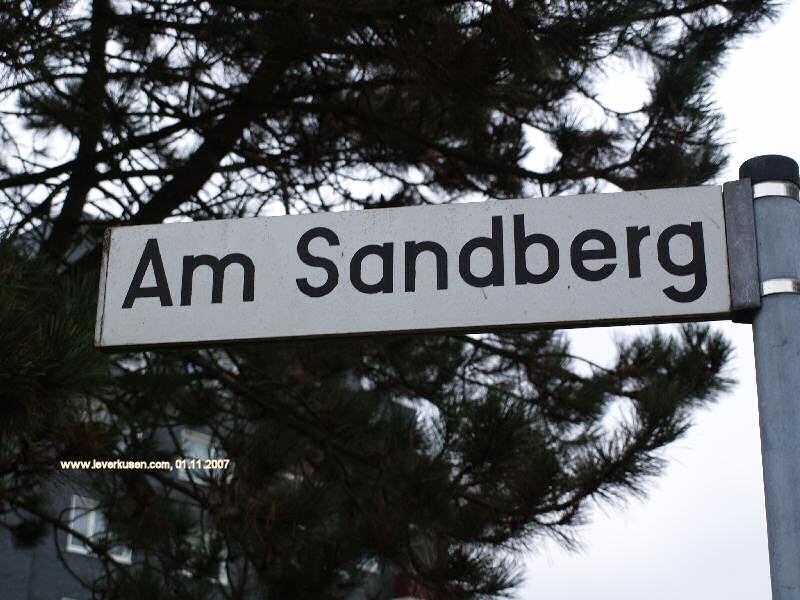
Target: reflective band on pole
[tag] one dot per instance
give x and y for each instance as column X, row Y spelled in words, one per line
column 776, row 188
column 780, row 285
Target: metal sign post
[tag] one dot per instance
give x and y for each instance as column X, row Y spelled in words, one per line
column 776, row 334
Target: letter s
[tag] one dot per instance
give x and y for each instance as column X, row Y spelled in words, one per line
column 317, row 261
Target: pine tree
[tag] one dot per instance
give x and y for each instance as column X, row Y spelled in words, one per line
column 433, row 457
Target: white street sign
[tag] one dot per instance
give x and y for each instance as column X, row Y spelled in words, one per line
column 631, row 257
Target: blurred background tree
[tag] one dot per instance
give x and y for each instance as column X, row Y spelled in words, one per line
column 433, row 457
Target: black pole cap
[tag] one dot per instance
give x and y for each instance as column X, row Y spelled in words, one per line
column 770, row 167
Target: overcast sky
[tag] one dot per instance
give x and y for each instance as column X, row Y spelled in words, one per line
column 701, row 532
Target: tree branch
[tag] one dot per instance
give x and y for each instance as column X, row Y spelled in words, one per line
column 92, row 95
column 219, row 141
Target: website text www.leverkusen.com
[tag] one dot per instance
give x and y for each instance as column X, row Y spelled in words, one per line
column 116, row 464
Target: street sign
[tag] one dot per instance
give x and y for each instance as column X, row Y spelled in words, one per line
column 633, row 257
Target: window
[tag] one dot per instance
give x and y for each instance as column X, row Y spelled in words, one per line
column 91, row 523
column 201, row 542
column 96, row 411
column 198, row 448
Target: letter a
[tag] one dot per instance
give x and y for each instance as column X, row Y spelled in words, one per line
column 150, row 256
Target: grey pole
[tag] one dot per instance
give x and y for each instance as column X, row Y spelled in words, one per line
column 776, row 333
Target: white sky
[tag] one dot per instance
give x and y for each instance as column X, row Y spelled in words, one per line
column 701, row 533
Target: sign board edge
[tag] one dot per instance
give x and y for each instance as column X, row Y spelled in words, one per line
column 101, row 293
column 662, row 320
